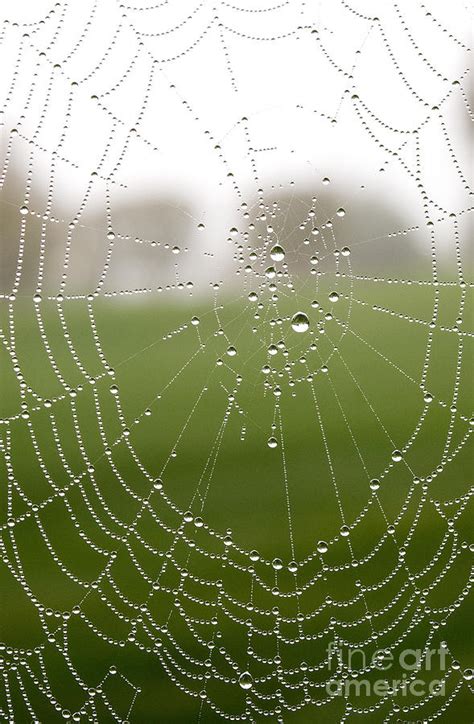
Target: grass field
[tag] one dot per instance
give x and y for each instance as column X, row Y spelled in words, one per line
column 337, row 431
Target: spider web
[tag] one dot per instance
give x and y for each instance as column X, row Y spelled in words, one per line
column 236, row 360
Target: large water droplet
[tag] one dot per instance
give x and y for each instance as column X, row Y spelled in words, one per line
column 272, row 442
column 277, row 253
column 300, row 322
column 322, row 546
column 245, row 680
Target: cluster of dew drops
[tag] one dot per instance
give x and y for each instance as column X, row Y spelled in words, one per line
column 273, row 246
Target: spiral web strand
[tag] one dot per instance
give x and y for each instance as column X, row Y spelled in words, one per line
column 235, row 430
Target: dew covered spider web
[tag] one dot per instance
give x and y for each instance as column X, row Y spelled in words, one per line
column 236, row 347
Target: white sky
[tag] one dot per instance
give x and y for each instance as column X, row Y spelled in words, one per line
column 288, row 89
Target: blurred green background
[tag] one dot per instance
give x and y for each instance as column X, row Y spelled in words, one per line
column 160, row 364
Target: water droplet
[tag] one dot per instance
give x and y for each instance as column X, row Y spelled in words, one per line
column 334, row 297
column 254, row 556
column 245, row 680
column 233, row 231
column 374, row 484
column 195, row 321
column 272, row 442
column 345, row 531
column 322, row 546
column 341, row 212
column 277, row 564
column 345, row 251
column 231, row 351
column 24, row 210
column 253, row 296
column 270, row 272
column 326, row 181
column 396, row 456
column 428, row 397
column 277, row 253
column 300, row 322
